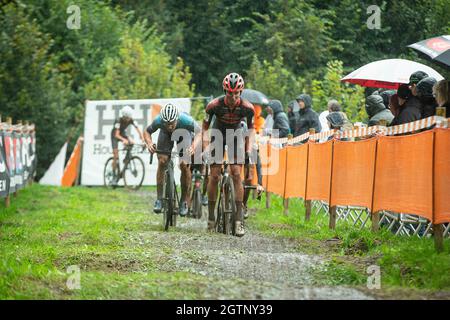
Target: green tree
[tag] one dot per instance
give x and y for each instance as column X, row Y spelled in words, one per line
column 350, row 96
column 31, row 88
column 140, row 70
column 274, row 80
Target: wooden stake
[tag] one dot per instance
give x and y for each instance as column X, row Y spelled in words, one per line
column 268, row 200
column 438, row 231
column 308, row 210
column 333, row 211
column 375, row 221
column 8, row 198
column 286, row 206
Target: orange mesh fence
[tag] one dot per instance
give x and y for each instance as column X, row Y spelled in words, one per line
column 319, row 171
column 353, row 172
column 403, row 176
column 296, row 170
column 263, row 154
column 442, row 176
column 276, row 180
column 71, row 171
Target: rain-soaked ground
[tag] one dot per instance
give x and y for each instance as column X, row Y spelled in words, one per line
column 255, row 266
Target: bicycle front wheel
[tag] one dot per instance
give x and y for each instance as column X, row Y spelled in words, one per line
column 229, row 206
column 134, row 173
column 168, row 202
column 197, row 204
column 108, row 173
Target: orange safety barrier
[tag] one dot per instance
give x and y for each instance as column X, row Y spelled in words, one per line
column 404, row 174
column 353, row 173
column 441, row 176
column 319, row 171
column 296, row 171
column 276, row 181
column 264, row 155
column 71, row 171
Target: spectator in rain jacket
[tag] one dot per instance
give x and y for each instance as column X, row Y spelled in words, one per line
column 414, row 79
column 410, row 107
column 280, row 119
column 442, row 93
column 425, row 94
column 386, row 95
column 292, row 115
column 336, row 119
column 377, row 111
column 308, row 118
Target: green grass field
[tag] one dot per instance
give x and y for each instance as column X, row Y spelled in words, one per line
column 46, row 230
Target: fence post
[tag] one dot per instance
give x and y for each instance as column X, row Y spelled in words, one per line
column 375, row 221
column 333, row 211
column 286, row 200
column 267, row 175
column 16, row 192
column 30, row 179
column 8, row 198
column 438, row 234
column 307, row 210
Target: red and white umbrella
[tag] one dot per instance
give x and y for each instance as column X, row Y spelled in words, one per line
column 388, row 73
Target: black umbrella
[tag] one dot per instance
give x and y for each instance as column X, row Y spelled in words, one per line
column 435, row 49
column 255, row 97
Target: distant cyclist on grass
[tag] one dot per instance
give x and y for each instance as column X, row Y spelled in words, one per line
column 174, row 127
column 229, row 110
column 118, row 133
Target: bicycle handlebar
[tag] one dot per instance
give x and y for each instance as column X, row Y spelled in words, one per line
column 164, row 152
column 130, row 146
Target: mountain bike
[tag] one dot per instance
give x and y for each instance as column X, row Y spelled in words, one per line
column 133, row 170
column 171, row 201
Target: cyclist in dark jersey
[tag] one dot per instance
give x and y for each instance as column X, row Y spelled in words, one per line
column 183, row 129
column 118, row 133
column 228, row 110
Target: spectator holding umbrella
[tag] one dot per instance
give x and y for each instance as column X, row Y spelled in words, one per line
column 424, row 90
column 441, row 91
column 377, row 111
column 308, row 118
column 410, row 108
column 386, row 95
column 414, row 79
column 393, row 105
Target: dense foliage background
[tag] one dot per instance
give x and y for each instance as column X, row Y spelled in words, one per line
column 167, row 48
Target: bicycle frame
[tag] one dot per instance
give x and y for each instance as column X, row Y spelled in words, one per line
column 169, row 171
column 128, row 148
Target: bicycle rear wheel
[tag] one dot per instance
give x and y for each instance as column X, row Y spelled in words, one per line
column 197, row 203
column 134, row 173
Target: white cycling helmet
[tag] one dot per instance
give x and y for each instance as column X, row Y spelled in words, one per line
column 169, row 113
column 126, row 111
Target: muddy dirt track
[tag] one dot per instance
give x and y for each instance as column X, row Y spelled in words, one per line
column 252, row 267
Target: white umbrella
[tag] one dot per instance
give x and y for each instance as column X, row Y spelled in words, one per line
column 388, row 73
